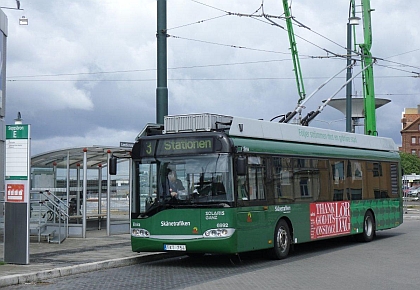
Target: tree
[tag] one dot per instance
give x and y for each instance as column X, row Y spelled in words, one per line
column 410, row 163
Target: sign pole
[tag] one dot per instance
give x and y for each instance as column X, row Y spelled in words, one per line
column 17, row 194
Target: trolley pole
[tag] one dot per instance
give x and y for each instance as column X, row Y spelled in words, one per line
column 162, row 66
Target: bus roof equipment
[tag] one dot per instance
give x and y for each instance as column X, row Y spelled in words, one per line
column 260, row 129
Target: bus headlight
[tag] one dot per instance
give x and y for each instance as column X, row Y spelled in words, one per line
column 218, row 233
column 140, row 233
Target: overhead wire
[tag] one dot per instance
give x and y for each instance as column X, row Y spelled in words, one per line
column 227, row 13
column 208, row 5
column 404, row 53
column 417, row 74
column 266, row 16
column 227, row 45
column 183, row 79
column 152, row 69
column 399, row 64
column 335, row 55
column 300, row 24
column 197, row 22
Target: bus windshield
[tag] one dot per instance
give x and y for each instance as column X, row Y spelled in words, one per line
column 183, row 181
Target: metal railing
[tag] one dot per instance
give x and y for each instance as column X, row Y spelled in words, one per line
column 51, row 209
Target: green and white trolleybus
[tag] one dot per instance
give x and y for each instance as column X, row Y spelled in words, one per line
column 246, row 185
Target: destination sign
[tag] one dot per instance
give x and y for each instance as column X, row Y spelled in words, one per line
column 176, row 146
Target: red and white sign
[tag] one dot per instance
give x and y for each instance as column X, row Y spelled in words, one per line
column 15, row 192
column 329, row 219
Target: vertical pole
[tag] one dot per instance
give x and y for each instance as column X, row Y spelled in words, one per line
column 68, row 193
column 349, row 84
column 84, row 192
column 54, row 191
column 404, row 193
column 99, row 195
column 162, row 86
column 108, row 198
column 78, row 191
column 130, row 188
column 55, row 178
column 68, row 180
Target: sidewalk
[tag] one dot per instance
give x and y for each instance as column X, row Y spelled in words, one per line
column 412, row 213
column 77, row 255
column 74, row 255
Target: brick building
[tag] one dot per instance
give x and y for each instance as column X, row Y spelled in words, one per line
column 410, row 133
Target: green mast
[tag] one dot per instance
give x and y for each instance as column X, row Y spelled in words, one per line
column 295, row 56
column 368, row 81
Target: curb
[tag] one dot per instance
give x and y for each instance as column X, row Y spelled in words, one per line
column 83, row 268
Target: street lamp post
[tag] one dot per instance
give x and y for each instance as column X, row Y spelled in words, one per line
column 353, row 20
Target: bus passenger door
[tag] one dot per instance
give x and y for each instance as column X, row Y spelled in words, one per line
column 252, row 217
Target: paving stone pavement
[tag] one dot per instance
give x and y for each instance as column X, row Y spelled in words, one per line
column 78, row 255
column 74, row 255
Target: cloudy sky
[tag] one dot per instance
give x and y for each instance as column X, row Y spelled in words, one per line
column 83, row 73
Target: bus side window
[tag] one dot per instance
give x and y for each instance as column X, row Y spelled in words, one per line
column 285, row 179
column 324, row 179
column 306, row 179
column 394, row 184
column 242, row 188
column 384, row 186
column 303, row 186
column 355, row 179
column 256, row 174
column 338, row 184
column 373, row 181
column 241, row 166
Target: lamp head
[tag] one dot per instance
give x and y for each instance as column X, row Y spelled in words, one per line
column 354, row 20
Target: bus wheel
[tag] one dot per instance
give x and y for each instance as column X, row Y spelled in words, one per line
column 282, row 240
column 368, row 227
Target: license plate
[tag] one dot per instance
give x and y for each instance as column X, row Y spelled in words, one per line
column 174, row 247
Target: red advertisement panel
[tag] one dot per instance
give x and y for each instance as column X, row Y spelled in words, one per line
column 15, row 192
column 329, row 219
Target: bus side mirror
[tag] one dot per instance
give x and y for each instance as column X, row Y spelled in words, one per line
column 112, row 165
column 241, row 164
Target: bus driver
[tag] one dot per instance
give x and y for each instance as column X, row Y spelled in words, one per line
column 175, row 185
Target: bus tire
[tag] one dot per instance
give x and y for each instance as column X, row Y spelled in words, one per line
column 368, row 227
column 282, row 241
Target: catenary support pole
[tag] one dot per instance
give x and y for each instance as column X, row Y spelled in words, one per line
column 162, row 86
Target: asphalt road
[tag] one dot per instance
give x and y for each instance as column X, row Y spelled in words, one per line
column 391, row 261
